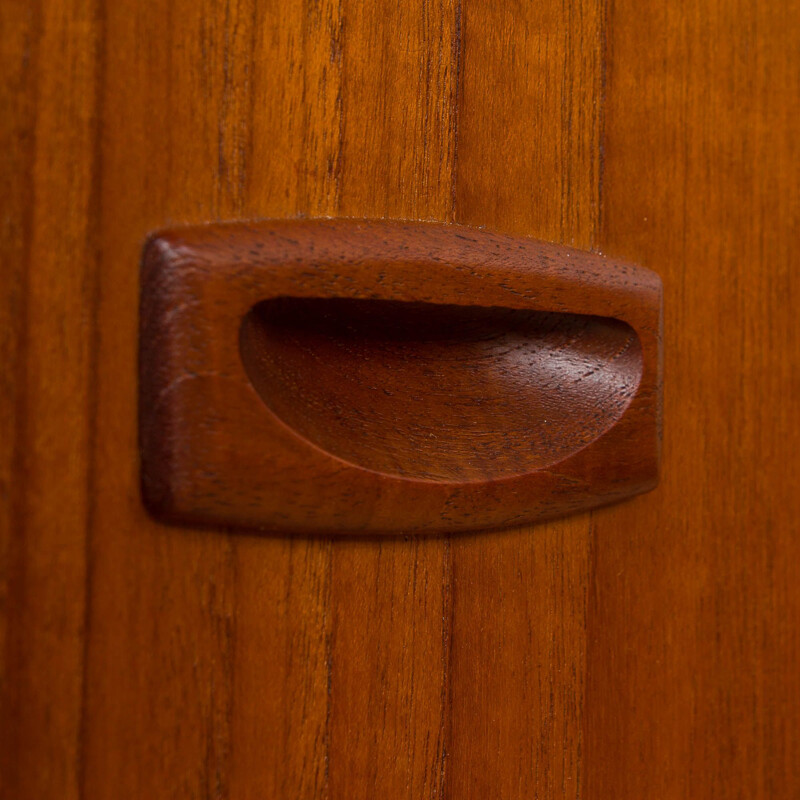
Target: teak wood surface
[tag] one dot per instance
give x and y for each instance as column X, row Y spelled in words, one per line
column 344, row 376
column 648, row 650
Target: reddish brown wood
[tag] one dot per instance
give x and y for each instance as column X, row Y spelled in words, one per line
column 528, row 164
column 367, row 376
column 693, row 658
column 645, row 650
column 48, row 125
column 388, row 725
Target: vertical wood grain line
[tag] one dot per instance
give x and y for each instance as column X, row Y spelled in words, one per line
column 21, row 35
column 597, row 236
column 528, row 163
column 458, row 87
column 162, row 645
column 447, row 557
column 603, row 22
column 323, row 36
column 390, row 597
column 695, row 608
column 446, row 730
column 281, row 727
column 52, row 426
column 95, row 216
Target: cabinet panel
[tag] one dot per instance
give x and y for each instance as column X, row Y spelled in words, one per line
column 693, row 622
column 646, row 650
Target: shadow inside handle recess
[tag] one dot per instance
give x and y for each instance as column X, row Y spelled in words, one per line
column 440, row 392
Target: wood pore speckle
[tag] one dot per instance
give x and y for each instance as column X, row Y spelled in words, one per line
column 344, row 376
column 646, row 650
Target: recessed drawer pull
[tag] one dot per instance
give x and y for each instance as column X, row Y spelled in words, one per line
column 380, row 377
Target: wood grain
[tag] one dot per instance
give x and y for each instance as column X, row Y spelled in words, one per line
column 381, row 377
column 241, row 663
column 528, row 159
column 694, row 640
column 49, row 272
column 389, row 655
column 217, row 647
column 646, row 651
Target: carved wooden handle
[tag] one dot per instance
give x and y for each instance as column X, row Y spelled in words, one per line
column 345, row 376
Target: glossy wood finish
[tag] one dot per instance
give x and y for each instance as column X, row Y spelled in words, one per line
column 528, row 164
column 385, row 377
column 694, row 626
column 48, row 131
column 646, row 650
